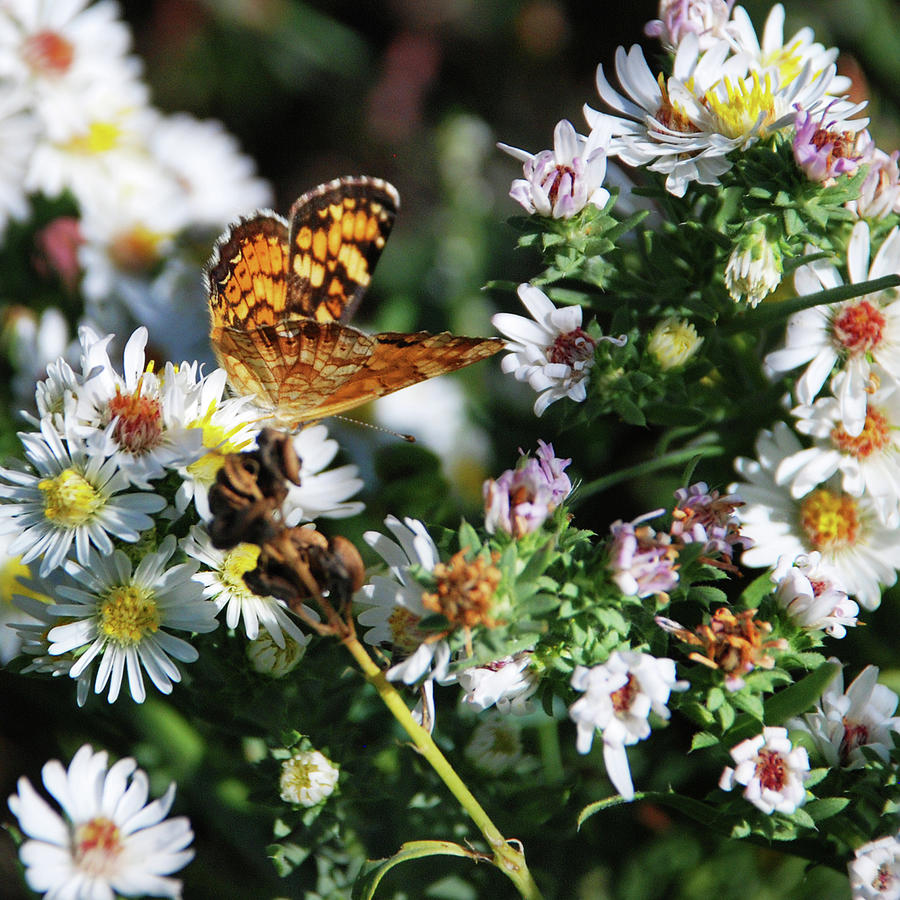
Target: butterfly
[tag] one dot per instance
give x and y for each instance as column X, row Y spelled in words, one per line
column 282, row 290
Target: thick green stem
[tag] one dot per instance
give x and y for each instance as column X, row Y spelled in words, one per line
column 507, row 858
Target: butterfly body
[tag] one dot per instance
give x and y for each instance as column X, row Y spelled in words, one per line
column 281, row 291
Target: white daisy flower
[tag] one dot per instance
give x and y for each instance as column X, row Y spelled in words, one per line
column 100, row 145
column 869, row 462
column 551, row 351
column 321, row 492
column 619, row 696
column 754, row 267
column 495, row 745
column 106, row 839
column 843, row 723
column 72, row 497
column 122, row 615
column 223, row 582
column 128, row 226
column 137, row 419
column 653, row 124
column 772, row 771
column 395, row 604
column 307, row 778
column 863, row 553
column 812, row 595
column 58, row 49
column 506, row 683
column 855, row 335
column 563, row 181
column 875, row 870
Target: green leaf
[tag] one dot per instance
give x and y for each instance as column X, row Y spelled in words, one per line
column 374, row 870
column 818, row 810
column 799, row 697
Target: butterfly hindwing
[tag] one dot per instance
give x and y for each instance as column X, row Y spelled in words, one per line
column 337, row 233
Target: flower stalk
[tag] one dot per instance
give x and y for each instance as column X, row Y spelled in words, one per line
column 507, row 858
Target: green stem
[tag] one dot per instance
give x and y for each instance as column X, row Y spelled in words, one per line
column 507, row 858
column 664, row 461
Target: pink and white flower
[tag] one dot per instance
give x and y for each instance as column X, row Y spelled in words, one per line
column 772, row 771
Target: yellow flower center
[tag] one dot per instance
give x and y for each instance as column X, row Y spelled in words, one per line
column 745, row 104
column 236, row 564
column 829, row 520
column 220, row 443
column 97, row 843
column 127, row 613
column 136, row 250
column 70, row 499
column 100, row 138
column 405, row 633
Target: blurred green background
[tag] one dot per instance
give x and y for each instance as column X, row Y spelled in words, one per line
column 418, row 92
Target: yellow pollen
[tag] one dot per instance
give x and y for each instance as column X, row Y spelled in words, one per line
column 137, row 250
column 236, row 564
column 97, row 843
column 404, row 633
column 69, row 498
column 10, row 572
column 220, row 444
column 829, row 520
column 128, row 613
column 744, row 106
column 101, row 137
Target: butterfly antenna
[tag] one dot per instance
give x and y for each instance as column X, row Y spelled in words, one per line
column 410, row 439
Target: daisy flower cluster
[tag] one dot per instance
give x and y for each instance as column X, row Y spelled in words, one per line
column 750, row 278
column 104, row 185
column 105, row 521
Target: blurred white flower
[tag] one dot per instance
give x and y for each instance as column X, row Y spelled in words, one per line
column 108, row 840
column 875, row 870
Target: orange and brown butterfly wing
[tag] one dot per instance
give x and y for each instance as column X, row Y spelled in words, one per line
column 300, row 370
column 337, row 233
column 247, row 275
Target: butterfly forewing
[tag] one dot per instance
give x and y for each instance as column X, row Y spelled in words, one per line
column 337, row 233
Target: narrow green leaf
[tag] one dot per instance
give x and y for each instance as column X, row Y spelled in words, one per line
column 374, row 870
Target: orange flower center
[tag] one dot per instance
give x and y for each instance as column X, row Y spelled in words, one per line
column 875, row 436
column 571, row 348
column 624, row 696
column 138, row 425
column 48, row 52
column 97, row 843
column 464, row 592
column 859, row 327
